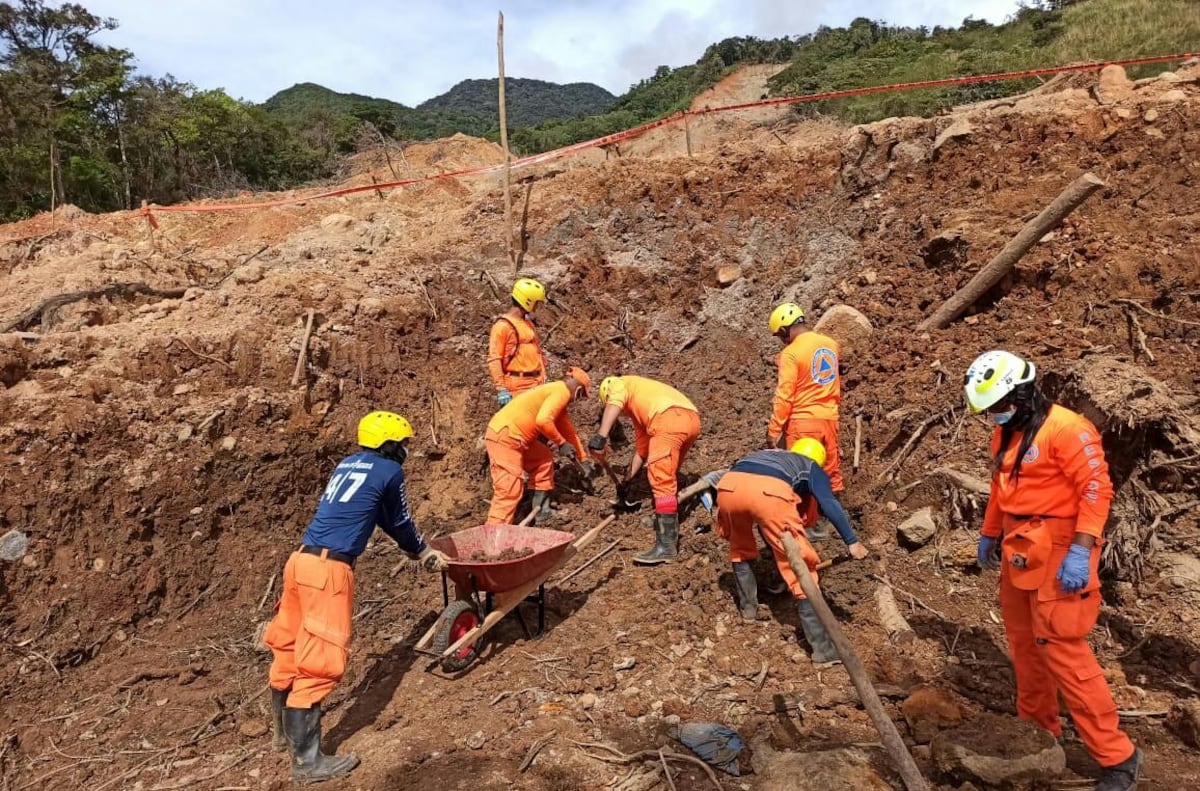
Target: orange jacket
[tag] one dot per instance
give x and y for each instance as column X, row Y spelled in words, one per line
column 1064, row 474
column 541, row 411
column 643, row 400
column 810, row 385
column 513, row 347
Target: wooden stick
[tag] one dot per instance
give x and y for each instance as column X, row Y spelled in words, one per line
column 428, row 300
column 508, row 235
column 599, row 555
column 695, row 489
column 912, row 442
column 889, row 616
column 964, row 481
column 661, row 756
column 303, row 348
column 267, row 592
column 534, row 750
column 857, row 440
column 1155, row 314
column 1067, row 201
column 892, row 742
column 1138, row 336
column 188, row 346
column 911, row 598
column 687, row 133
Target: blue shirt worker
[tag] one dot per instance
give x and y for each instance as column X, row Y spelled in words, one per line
column 310, row 632
column 772, row 489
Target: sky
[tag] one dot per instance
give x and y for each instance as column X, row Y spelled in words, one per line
column 412, row 50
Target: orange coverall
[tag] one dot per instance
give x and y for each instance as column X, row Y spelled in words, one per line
column 1063, row 489
column 745, row 499
column 807, row 397
column 515, row 360
column 665, row 426
column 513, row 446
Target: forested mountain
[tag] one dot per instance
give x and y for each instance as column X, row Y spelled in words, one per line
column 528, row 102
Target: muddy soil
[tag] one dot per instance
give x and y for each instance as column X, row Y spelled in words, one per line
column 507, row 554
column 163, row 465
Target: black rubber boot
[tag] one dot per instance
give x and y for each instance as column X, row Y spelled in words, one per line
column 309, row 764
column 279, row 734
column 1123, row 776
column 747, row 590
column 824, row 652
column 666, row 541
column 540, row 502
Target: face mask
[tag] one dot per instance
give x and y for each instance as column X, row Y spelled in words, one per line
column 1000, row 418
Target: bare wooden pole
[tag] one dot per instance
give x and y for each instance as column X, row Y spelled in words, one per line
column 857, row 440
column 303, row 356
column 508, row 235
column 687, row 132
column 1067, row 201
column 892, row 743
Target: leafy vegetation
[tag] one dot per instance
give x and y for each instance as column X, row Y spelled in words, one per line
column 527, row 102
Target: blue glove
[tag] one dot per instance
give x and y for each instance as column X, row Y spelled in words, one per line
column 1076, row 569
column 986, row 552
column 503, row 396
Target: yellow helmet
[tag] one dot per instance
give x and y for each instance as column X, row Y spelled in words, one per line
column 527, row 292
column 784, row 316
column 994, row 376
column 606, row 388
column 378, row 428
column 810, row 448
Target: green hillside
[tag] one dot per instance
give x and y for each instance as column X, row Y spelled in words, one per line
column 527, row 102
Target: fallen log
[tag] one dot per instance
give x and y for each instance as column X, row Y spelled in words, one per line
column 1067, row 201
column 889, row 615
column 892, row 743
column 40, row 313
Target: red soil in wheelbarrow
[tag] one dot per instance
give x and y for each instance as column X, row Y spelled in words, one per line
column 498, row 570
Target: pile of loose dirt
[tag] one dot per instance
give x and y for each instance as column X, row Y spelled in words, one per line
column 508, row 554
column 163, row 465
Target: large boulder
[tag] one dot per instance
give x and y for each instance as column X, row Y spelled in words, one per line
column 1114, row 84
column 918, row 530
column 999, row 751
column 929, row 710
column 848, row 326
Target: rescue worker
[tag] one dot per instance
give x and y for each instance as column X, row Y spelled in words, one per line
column 521, row 440
column 809, row 388
column 515, row 360
column 311, row 630
column 665, row 425
column 1050, row 496
column 773, row 488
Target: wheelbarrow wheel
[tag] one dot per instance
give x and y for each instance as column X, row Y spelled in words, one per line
column 455, row 621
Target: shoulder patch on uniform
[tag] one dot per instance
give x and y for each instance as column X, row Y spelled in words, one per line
column 1031, row 455
column 824, row 365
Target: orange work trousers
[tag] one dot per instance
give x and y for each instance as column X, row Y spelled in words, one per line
column 1047, row 633
column 519, row 384
column 825, row 432
column 745, row 499
column 672, row 434
column 310, row 633
column 510, row 459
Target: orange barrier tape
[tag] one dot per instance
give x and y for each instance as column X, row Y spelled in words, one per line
column 627, row 134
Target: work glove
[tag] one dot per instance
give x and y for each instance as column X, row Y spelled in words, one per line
column 433, row 560
column 988, row 552
column 503, row 396
column 567, row 451
column 597, row 448
column 588, row 468
column 1076, row 569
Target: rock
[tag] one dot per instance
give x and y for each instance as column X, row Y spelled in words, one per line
column 846, row 325
column 891, row 507
column 253, row 729
column 634, row 708
column 960, row 128
column 1114, row 84
column 1184, row 721
column 1169, row 76
column 1124, row 113
column 999, row 751
column 1179, row 570
column 587, row 701
column 249, row 273
column 624, row 664
column 228, row 443
column 728, row 275
column 868, row 278
column 337, row 222
column 372, row 307
column 831, row 770
column 99, row 564
column 919, row 529
column 476, row 740
column 928, row 710
column 183, row 389
column 13, row 545
column 1150, row 116
column 1172, row 96
column 184, row 434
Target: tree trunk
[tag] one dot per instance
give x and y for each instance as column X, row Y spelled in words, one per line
column 1068, row 200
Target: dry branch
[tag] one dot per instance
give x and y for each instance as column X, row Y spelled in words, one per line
column 308, row 328
column 40, row 313
column 1067, row 201
column 889, row 615
column 210, row 358
column 619, row 757
column 912, row 441
column 599, row 555
column 964, row 481
column 857, row 440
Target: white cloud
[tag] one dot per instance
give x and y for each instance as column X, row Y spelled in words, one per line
column 413, row 50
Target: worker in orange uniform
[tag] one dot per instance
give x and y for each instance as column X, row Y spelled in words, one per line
column 1049, row 500
column 773, row 488
column 515, row 360
column 521, row 439
column 665, row 424
column 809, row 388
column 311, row 629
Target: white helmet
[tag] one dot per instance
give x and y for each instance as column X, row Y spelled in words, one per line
column 993, row 376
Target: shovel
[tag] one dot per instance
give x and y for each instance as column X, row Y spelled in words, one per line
column 619, row 503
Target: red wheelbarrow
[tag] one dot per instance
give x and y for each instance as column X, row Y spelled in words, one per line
column 456, row 638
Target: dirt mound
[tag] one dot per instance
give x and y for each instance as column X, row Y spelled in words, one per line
column 162, row 463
